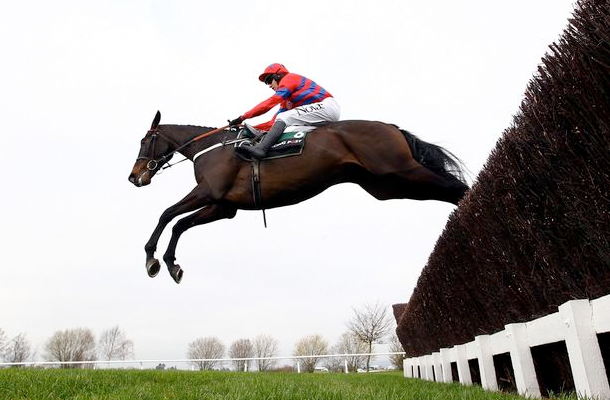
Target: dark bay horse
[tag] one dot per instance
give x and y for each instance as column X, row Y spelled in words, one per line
column 387, row 162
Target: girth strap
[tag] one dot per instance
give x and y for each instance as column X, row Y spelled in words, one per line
column 256, row 187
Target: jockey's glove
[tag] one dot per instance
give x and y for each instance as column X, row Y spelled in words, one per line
column 236, row 121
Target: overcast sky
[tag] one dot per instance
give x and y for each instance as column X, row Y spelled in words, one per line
column 80, row 82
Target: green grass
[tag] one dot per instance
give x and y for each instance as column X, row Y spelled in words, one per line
column 51, row 384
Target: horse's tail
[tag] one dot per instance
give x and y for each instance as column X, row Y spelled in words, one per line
column 437, row 159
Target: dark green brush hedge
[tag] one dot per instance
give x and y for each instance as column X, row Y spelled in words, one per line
column 534, row 231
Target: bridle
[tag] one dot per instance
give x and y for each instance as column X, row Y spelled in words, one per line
column 157, row 164
column 153, row 164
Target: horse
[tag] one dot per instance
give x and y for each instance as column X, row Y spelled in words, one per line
column 386, row 161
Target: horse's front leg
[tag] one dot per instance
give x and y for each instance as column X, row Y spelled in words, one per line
column 209, row 213
column 189, row 203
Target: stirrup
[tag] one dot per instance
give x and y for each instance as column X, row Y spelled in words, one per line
column 240, row 152
column 252, row 151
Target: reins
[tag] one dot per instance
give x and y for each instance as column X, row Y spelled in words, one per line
column 202, row 136
column 153, row 164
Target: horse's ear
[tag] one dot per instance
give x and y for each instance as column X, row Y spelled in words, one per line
column 156, row 121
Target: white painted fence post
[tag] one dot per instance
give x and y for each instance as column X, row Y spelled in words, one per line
column 521, row 358
column 446, row 364
column 407, row 368
column 423, row 367
column 583, row 350
column 429, row 366
column 486, row 363
column 462, row 364
column 346, row 368
column 438, row 372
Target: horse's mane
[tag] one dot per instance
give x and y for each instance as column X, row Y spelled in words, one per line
column 203, row 128
column 190, row 130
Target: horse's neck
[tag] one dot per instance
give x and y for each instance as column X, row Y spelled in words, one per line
column 181, row 134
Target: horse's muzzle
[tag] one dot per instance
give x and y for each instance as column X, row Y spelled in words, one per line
column 140, row 179
column 132, row 179
column 141, row 175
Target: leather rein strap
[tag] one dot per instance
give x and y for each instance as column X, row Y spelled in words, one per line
column 202, row 136
column 164, row 158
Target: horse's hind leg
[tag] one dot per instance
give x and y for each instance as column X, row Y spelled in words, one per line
column 431, row 186
column 207, row 214
column 418, row 183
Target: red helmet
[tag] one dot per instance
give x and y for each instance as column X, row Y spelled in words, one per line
column 273, row 69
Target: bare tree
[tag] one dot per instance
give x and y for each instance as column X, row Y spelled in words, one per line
column 351, row 344
column 18, row 349
column 114, row 345
column 265, row 346
column 71, row 345
column 371, row 325
column 2, row 341
column 205, row 351
column 312, row 345
column 241, row 348
column 395, row 347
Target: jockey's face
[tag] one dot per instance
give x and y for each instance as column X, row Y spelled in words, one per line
column 273, row 85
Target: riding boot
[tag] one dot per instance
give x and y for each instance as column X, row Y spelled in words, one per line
column 261, row 149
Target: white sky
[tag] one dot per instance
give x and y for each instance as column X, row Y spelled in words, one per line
column 80, row 82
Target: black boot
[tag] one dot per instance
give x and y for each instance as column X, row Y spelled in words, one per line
column 260, row 150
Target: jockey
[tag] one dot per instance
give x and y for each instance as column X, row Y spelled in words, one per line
column 301, row 100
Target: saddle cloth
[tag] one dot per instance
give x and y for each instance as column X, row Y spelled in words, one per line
column 291, row 142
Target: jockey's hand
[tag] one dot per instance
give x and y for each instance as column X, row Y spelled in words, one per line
column 236, row 121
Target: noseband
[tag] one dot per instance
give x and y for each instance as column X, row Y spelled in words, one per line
column 147, row 152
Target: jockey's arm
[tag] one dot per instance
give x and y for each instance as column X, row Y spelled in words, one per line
column 263, row 107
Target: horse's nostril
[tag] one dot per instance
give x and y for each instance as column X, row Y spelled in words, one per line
column 132, row 178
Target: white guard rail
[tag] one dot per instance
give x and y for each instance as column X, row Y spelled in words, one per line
column 141, row 363
column 577, row 323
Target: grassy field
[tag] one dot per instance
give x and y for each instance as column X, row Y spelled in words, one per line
column 41, row 384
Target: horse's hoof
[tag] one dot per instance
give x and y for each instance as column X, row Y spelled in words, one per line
column 176, row 272
column 153, row 267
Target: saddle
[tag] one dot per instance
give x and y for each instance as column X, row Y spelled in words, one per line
column 291, row 143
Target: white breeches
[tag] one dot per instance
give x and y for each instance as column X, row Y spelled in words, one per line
column 327, row 110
